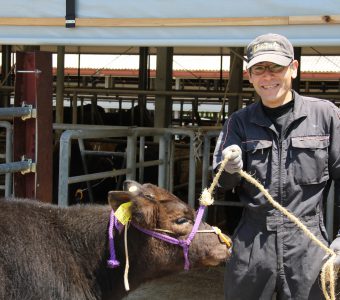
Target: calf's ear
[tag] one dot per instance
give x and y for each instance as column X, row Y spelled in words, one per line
column 116, row 198
column 144, row 209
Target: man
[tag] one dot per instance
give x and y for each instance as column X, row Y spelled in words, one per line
column 291, row 144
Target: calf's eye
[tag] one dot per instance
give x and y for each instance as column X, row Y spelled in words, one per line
column 181, row 221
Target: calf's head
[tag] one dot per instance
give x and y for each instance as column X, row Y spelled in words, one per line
column 156, row 209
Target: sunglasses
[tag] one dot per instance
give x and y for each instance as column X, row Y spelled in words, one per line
column 272, row 68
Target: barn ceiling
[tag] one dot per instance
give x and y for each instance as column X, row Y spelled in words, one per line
column 191, row 26
column 311, row 50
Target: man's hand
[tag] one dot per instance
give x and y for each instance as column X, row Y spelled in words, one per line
column 335, row 246
column 235, row 162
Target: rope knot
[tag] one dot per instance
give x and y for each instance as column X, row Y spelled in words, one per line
column 184, row 243
column 206, row 198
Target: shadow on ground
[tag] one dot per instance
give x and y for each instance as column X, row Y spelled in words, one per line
column 195, row 284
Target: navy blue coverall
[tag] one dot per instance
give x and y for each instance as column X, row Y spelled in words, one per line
column 270, row 254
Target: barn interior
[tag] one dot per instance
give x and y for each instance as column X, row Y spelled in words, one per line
column 187, row 107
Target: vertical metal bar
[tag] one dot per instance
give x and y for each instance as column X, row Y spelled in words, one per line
column 83, row 159
column 64, row 168
column 8, row 156
column 162, row 156
column 132, row 113
column 120, row 110
column 192, row 172
column 330, row 211
column 206, row 161
column 131, row 157
column 167, row 161
column 171, row 164
column 141, row 158
column 181, row 114
column 75, row 109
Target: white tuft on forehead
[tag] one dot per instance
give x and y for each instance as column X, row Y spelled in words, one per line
column 133, row 188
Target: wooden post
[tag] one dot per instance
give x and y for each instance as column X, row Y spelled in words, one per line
column 163, row 104
column 59, row 115
column 32, row 138
column 143, row 82
column 236, row 79
column 5, row 74
column 296, row 81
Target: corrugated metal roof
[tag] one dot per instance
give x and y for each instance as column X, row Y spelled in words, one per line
column 322, row 64
column 317, row 64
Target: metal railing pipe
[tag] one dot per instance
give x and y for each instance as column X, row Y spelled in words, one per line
column 95, row 176
column 8, row 156
column 13, row 167
column 13, row 112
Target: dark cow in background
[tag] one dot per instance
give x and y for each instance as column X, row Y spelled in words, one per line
column 130, row 117
column 96, row 115
column 48, row 252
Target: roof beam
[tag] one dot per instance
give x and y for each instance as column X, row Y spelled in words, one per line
column 175, row 22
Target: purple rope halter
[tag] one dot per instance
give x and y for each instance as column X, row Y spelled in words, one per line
column 113, row 262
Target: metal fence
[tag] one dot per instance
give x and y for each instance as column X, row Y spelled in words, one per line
column 10, row 167
column 163, row 137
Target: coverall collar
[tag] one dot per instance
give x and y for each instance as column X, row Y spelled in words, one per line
column 260, row 118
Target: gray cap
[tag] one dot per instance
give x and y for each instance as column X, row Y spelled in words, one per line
column 270, row 47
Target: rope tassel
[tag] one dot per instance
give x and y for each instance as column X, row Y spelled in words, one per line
column 223, row 237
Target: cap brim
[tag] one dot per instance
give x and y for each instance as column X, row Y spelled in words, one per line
column 274, row 58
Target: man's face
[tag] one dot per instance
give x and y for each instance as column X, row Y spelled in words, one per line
column 273, row 82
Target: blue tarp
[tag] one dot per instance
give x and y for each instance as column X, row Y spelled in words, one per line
column 219, row 36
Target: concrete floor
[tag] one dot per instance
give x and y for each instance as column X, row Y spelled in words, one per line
column 200, row 284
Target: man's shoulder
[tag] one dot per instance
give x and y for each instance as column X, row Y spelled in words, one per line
column 316, row 101
column 245, row 111
column 313, row 104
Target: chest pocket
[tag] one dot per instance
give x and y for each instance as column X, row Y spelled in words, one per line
column 258, row 153
column 310, row 159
